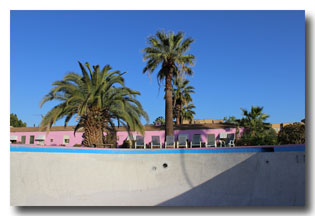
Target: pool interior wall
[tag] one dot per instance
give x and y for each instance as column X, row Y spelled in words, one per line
column 168, row 177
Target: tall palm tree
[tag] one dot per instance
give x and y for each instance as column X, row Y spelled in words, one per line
column 97, row 99
column 168, row 50
column 181, row 96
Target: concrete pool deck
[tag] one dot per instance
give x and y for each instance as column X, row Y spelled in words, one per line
column 241, row 176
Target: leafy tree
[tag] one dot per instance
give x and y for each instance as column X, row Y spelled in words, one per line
column 292, row 134
column 168, row 50
column 181, row 97
column 160, row 120
column 15, row 122
column 97, row 98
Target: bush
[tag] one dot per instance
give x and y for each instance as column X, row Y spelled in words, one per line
column 267, row 137
column 77, row 145
column 292, row 134
column 126, row 144
column 271, row 137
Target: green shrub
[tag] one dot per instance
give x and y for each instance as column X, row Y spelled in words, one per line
column 267, row 137
column 292, row 134
column 126, row 144
column 77, row 145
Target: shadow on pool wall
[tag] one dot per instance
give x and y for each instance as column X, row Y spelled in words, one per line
column 260, row 180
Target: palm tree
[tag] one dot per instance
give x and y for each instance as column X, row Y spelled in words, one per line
column 168, row 50
column 181, row 96
column 254, row 121
column 231, row 120
column 257, row 131
column 159, row 120
column 97, row 99
column 187, row 112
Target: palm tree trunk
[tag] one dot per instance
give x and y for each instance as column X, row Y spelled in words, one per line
column 93, row 136
column 180, row 116
column 168, row 104
column 93, row 129
column 177, row 114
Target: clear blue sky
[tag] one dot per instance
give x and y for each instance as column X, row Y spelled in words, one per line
column 243, row 58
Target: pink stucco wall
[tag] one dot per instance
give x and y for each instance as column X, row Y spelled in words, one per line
column 52, row 138
column 56, row 137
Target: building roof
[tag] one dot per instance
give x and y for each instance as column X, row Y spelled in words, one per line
column 147, row 127
column 278, row 125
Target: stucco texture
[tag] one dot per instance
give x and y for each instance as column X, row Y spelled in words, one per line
column 212, row 179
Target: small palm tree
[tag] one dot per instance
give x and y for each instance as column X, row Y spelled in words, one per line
column 254, row 121
column 168, row 50
column 97, row 99
column 187, row 112
column 159, row 120
column 181, row 96
column 231, row 120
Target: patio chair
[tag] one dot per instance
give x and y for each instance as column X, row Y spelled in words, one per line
column 196, row 140
column 223, row 137
column 211, row 141
column 182, row 140
column 156, row 142
column 230, row 141
column 140, row 141
column 170, row 141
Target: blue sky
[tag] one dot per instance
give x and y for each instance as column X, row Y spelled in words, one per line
column 243, row 58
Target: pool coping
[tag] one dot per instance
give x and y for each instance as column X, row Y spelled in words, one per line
column 242, row 149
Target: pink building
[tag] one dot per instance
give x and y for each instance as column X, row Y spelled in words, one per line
column 64, row 136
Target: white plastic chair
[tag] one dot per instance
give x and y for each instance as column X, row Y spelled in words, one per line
column 140, row 141
column 170, row 141
column 182, row 140
column 196, row 140
column 211, row 141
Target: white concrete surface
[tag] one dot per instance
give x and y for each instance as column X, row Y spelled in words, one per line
column 210, row 179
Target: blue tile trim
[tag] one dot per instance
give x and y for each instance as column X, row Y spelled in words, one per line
column 290, row 148
column 156, row 151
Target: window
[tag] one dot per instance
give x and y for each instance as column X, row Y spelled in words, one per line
column 23, row 138
column 32, row 139
column 66, row 139
column 40, row 138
